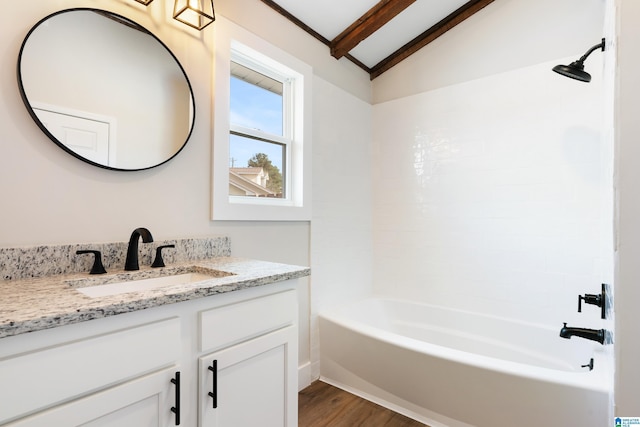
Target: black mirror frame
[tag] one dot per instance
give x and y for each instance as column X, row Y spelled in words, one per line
column 42, row 127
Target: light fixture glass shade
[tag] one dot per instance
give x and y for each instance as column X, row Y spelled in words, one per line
column 195, row 13
column 144, row 2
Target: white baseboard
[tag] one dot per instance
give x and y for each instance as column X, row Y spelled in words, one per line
column 304, row 376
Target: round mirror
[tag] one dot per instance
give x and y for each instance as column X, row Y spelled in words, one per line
column 105, row 89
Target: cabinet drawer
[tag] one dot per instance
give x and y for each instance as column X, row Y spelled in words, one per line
column 42, row 378
column 230, row 324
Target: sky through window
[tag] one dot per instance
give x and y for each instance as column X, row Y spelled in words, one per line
column 256, row 108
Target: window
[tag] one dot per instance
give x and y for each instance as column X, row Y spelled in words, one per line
column 262, row 136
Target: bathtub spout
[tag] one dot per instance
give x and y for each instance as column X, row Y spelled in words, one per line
column 590, row 334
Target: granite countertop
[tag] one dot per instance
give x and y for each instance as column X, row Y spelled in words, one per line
column 35, row 304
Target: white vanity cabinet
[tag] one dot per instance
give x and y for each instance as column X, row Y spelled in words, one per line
column 122, row 374
column 122, row 370
column 250, row 382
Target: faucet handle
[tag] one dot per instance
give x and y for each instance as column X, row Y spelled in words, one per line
column 159, row 262
column 589, row 299
column 594, row 299
column 97, row 267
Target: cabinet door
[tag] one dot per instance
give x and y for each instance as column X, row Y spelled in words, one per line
column 256, row 383
column 146, row 401
column 51, row 376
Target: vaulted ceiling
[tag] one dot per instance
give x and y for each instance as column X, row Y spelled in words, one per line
column 376, row 35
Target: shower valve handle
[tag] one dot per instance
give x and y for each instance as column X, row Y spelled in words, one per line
column 589, row 299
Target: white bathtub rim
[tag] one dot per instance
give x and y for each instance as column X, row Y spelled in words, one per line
column 593, row 380
column 339, row 310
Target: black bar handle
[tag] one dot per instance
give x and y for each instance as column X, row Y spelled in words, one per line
column 176, row 409
column 214, row 387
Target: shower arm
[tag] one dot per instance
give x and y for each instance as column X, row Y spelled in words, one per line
column 590, row 51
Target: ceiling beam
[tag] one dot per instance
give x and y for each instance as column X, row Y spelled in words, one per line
column 453, row 19
column 366, row 25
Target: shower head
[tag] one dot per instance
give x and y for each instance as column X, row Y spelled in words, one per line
column 575, row 70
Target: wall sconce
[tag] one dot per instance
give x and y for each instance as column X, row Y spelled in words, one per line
column 144, row 2
column 195, row 13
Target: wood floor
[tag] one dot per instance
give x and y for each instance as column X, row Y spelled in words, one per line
column 322, row 405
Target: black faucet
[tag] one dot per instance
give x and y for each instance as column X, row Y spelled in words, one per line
column 132, row 252
column 590, row 334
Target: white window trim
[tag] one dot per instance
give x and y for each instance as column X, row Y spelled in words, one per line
column 231, row 40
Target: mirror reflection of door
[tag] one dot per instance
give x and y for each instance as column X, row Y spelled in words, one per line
column 100, row 63
column 85, row 134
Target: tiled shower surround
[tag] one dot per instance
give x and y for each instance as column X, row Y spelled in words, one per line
column 50, row 260
column 495, row 195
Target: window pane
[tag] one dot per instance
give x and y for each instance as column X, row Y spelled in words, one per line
column 256, row 100
column 256, row 168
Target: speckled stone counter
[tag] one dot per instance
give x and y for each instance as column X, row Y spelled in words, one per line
column 34, row 304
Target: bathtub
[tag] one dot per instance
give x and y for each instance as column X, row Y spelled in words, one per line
column 453, row 368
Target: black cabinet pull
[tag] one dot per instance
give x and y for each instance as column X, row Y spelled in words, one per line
column 214, row 392
column 176, row 409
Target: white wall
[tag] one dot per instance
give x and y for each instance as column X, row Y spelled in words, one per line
column 50, row 197
column 627, row 291
column 341, row 228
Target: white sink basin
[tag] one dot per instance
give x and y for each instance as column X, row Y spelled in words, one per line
column 143, row 284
